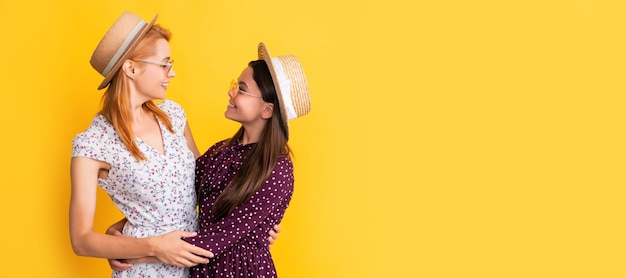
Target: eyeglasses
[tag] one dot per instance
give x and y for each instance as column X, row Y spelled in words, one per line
column 167, row 66
column 234, row 89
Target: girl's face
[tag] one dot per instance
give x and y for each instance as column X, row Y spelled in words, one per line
column 246, row 104
column 152, row 74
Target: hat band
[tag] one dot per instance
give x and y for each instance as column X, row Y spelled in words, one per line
column 122, row 49
column 285, row 89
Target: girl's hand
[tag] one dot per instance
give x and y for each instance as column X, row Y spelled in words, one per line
column 119, row 265
column 116, row 230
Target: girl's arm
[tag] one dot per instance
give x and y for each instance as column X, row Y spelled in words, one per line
column 191, row 144
column 255, row 216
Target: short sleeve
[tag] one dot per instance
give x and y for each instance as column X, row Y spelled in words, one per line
column 89, row 145
column 97, row 142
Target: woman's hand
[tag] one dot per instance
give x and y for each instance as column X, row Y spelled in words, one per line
column 170, row 249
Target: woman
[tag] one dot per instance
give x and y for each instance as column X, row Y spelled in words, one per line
column 245, row 183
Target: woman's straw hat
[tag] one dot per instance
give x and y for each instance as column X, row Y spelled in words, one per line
column 118, row 42
column 290, row 84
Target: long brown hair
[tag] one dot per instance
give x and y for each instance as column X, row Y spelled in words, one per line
column 258, row 165
column 116, row 99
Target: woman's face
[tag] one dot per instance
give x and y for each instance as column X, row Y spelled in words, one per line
column 152, row 74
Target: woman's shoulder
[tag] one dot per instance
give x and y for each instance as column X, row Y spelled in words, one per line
column 98, row 136
column 98, row 128
column 170, row 106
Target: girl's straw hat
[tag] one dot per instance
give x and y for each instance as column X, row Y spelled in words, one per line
column 290, row 84
column 118, row 42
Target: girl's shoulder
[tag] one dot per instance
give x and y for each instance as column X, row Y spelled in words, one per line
column 284, row 162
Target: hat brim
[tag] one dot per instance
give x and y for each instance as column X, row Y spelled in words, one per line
column 131, row 47
column 265, row 56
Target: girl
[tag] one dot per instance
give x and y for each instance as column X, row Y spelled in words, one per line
column 245, row 183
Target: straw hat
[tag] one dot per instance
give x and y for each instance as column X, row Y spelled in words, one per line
column 290, row 84
column 118, row 42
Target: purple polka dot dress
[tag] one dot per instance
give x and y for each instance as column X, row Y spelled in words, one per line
column 239, row 240
column 156, row 195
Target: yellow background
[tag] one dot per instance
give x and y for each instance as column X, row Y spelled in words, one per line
column 446, row 138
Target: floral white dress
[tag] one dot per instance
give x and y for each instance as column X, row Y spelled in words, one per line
column 156, row 195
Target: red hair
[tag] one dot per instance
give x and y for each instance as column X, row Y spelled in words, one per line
column 116, row 99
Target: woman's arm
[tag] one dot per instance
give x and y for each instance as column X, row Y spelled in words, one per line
column 191, row 143
column 85, row 241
